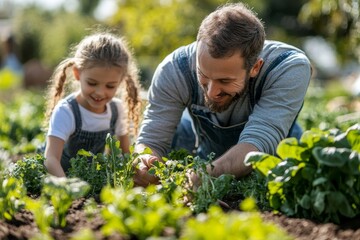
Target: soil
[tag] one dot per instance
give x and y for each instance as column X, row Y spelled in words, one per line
column 23, row 226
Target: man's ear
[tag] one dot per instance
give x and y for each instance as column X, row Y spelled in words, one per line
column 76, row 73
column 254, row 71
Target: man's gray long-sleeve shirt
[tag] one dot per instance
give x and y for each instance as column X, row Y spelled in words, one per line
column 267, row 123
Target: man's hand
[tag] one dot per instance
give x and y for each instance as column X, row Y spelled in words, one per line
column 143, row 164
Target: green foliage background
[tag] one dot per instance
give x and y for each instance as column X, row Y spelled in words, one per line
column 154, row 28
column 48, row 36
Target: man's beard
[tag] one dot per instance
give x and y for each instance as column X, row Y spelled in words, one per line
column 215, row 107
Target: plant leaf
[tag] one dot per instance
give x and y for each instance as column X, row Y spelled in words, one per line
column 290, row 148
column 316, row 138
column 319, row 202
column 262, row 162
column 308, row 172
column 341, row 141
column 83, row 152
column 331, row 156
column 338, row 199
column 319, row 181
column 305, row 201
column 353, row 163
column 353, row 136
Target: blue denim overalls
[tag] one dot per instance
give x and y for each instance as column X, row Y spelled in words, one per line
column 211, row 137
column 80, row 139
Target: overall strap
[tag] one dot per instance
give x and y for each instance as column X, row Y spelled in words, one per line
column 190, row 75
column 114, row 114
column 256, row 94
column 77, row 115
column 76, row 111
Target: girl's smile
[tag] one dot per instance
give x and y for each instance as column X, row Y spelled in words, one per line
column 98, row 86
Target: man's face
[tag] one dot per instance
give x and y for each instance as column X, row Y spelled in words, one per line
column 223, row 80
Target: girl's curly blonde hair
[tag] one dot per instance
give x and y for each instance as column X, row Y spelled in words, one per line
column 98, row 50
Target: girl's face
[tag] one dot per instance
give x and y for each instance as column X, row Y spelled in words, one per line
column 98, row 85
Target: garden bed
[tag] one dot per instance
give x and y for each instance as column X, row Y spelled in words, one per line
column 23, row 227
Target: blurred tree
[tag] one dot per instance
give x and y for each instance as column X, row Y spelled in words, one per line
column 338, row 20
column 87, row 7
column 277, row 14
column 155, row 28
column 48, row 35
column 62, row 34
column 280, row 19
column 28, row 26
column 45, row 38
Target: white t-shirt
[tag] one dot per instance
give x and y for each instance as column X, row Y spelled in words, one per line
column 62, row 121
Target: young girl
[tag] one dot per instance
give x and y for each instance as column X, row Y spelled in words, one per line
column 100, row 64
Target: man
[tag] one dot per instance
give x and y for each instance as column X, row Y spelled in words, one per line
column 241, row 93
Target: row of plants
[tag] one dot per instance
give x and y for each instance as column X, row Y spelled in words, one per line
column 170, row 209
column 327, row 107
column 21, row 116
column 316, row 178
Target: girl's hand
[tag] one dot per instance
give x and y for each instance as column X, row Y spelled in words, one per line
column 143, row 164
column 194, row 180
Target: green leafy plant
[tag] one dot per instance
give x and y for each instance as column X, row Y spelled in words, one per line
column 112, row 168
column 321, row 97
column 91, row 208
column 4, row 161
column 84, row 234
column 90, row 168
column 141, row 213
column 211, row 189
column 173, row 174
column 21, row 118
column 119, row 167
column 31, row 170
column 251, row 186
column 42, row 212
column 62, row 192
column 317, row 178
column 12, row 193
column 216, row 224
